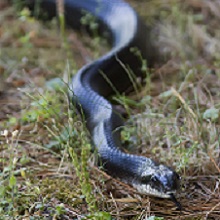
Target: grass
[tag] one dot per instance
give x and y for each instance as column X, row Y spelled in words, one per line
column 46, row 166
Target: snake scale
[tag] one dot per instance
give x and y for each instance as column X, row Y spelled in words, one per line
column 91, row 86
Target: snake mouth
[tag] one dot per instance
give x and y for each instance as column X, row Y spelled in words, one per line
column 147, row 189
column 151, row 191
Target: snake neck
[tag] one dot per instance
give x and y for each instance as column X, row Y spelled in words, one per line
column 116, row 163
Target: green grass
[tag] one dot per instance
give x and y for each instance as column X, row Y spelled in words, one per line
column 46, row 164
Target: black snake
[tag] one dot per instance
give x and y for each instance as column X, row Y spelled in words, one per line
column 101, row 78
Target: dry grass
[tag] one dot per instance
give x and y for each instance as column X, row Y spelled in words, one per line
column 176, row 121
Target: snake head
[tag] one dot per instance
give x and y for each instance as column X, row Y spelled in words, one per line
column 159, row 181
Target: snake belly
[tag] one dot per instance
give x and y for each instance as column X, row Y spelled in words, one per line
column 100, row 78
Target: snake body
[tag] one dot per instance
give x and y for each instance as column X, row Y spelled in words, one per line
column 100, row 78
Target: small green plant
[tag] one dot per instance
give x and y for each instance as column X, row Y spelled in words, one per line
column 91, row 22
column 18, row 4
column 12, row 200
column 81, row 165
column 97, row 43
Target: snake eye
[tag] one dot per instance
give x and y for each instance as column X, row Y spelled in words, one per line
column 146, row 179
column 155, row 179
